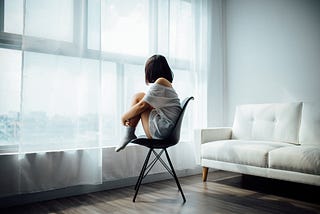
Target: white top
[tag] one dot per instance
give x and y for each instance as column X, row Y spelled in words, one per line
column 166, row 104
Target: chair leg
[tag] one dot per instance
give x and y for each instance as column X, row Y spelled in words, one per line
column 204, row 173
column 175, row 176
column 143, row 169
column 137, row 186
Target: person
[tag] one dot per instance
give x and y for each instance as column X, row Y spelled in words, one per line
column 158, row 109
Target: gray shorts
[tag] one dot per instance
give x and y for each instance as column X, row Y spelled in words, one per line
column 160, row 127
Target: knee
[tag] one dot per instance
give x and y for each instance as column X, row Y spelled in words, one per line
column 137, row 97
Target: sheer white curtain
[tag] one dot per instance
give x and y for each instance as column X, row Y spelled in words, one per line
column 63, row 90
column 191, row 40
column 60, row 141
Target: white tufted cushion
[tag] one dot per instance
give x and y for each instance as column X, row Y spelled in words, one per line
column 305, row 159
column 275, row 122
column 310, row 124
column 252, row 153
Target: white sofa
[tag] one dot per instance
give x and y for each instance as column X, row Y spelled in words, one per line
column 279, row 141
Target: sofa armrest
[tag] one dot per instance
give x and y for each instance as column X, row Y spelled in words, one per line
column 212, row 134
column 202, row 136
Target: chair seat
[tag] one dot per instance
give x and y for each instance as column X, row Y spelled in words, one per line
column 153, row 143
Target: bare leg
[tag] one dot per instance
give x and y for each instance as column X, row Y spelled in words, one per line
column 136, row 99
column 144, row 116
column 130, row 129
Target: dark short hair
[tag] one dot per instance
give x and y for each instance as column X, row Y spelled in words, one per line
column 156, row 67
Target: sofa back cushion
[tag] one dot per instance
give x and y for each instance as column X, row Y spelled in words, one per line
column 310, row 124
column 272, row 122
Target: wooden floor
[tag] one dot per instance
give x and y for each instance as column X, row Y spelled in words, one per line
column 224, row 192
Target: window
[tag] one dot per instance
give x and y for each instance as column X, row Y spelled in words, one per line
column 180, row 31
column 69, row 68
column 110, row 102
column 60, row 101
column 10, row 89
column 125, row 27
column 13, row 16
column 56, row 22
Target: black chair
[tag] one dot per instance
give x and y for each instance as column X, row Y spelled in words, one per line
column 162, row 144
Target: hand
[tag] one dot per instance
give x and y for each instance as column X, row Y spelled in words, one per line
column 125, row 122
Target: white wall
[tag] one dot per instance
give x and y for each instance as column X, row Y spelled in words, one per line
column 215, row 75
column 272, row 52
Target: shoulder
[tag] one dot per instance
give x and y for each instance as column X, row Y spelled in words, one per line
column 163, row 81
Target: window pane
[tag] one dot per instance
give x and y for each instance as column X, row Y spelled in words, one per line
column 13, row 16
column 10, row 81
column 109, row 100
column 125, row 27
column 93, row 24
column 180, row 31
column 183, row 82
column 60, row 102
column 50, row 19
column 163, row 27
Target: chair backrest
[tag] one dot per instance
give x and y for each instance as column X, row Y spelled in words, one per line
column 174, row 137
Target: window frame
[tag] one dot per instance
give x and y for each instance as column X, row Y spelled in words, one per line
column 79, row 43
column 1, row 15
column 14, row 41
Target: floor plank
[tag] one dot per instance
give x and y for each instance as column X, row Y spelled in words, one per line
column 224, row 192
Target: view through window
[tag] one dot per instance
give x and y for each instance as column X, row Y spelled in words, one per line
column 69, row 68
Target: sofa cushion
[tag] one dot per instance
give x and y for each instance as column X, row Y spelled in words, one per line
column 269, row 122
column 305, row 159
column 310, row 124
column 253, row 153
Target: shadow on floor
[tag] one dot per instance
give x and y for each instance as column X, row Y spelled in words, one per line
column 297, row 191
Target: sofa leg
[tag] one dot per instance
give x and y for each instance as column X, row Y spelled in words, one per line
column 204, row 173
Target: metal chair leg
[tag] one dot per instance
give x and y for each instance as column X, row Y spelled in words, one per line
column 137, row 186
column 143, row 169
column 175, row 176
column 145, row 166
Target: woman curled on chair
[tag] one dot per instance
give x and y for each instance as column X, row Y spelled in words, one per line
column 158, row 109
